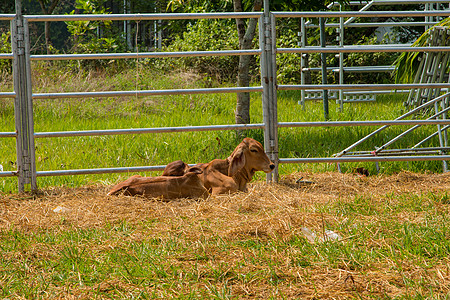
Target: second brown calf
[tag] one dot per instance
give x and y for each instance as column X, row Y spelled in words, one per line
column 166, row 187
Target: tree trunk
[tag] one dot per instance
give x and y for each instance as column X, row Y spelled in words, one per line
column 48, row 11
column 246, row 35
column 242, row 114
column 48, row 42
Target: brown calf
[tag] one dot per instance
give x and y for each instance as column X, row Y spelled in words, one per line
column 222, row 176
column 168, row 187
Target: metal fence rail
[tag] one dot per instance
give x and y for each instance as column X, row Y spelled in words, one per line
column 362, row 159
column 26, row 171
column 146, row 93
column 144, row 55
column 151, row 130
column 23, row 94
column 365, row 49
column 7, row 95
column 361, row 14
column 143, row 17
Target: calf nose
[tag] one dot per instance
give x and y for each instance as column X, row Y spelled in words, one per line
column 272, row 166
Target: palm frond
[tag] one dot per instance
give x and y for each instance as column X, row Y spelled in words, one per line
column 407, row 64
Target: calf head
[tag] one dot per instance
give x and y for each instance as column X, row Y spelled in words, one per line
column 176, row 168
column 249, row 155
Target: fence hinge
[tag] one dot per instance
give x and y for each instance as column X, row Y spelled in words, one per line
column 267, row 34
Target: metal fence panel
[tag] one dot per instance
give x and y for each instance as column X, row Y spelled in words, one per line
column 23, row 94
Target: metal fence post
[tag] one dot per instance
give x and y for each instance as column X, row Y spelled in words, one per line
column 274, row 102
column 23, row 105
column 303, row 57
column 324, row 67
column 268, row 81
column 341, row 61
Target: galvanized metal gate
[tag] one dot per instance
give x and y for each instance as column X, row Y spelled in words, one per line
column 23, row 95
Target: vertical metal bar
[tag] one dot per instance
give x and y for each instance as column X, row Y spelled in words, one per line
column 439, row 130
column 269, row 89
column 341, row 69
column 341, row 62
column 265, row 85
column 23, row 104
column 444, row 116
column 30, row 119
column 268, row 47
column 324, row 67
column 302, row 61
column 159, row 34
column 274, row 106
column 17, row 106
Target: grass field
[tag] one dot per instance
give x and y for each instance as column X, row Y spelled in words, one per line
column 390, row 232
column 188, row 110
column 393, row 242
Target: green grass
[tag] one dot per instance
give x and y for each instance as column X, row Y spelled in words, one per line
column 388, row 247
column 184, row 110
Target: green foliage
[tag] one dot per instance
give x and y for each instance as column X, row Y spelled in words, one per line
column 189, row 6
column 209, row 35
column 5, row 47
column 93, row 36
column 182, row 110
column 300, row 5
column 369, row 59
column 288, row 65
column 407, row 63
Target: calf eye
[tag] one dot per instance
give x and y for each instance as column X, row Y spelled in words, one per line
column 253, row 150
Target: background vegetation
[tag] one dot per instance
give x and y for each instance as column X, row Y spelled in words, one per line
column 158, row 149
column 72, row 241
column 183, row 110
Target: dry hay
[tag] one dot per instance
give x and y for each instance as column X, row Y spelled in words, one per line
column 90, row 207
column 264, row 212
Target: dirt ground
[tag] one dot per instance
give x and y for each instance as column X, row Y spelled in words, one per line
column 271, row 211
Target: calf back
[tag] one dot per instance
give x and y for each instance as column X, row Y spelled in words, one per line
column 166, row 187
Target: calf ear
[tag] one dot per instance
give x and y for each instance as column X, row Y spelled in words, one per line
column 195, row 170
column 237, row 162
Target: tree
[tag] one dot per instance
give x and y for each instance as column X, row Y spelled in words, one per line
column 47, row 7
column 246, row 35
column 246, row 32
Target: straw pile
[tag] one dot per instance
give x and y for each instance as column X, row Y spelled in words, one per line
column 90, row 207
column 266, row 211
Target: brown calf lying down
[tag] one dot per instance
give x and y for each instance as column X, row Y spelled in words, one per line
column 167, row 187
column 223, row 176
column 220, row 176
